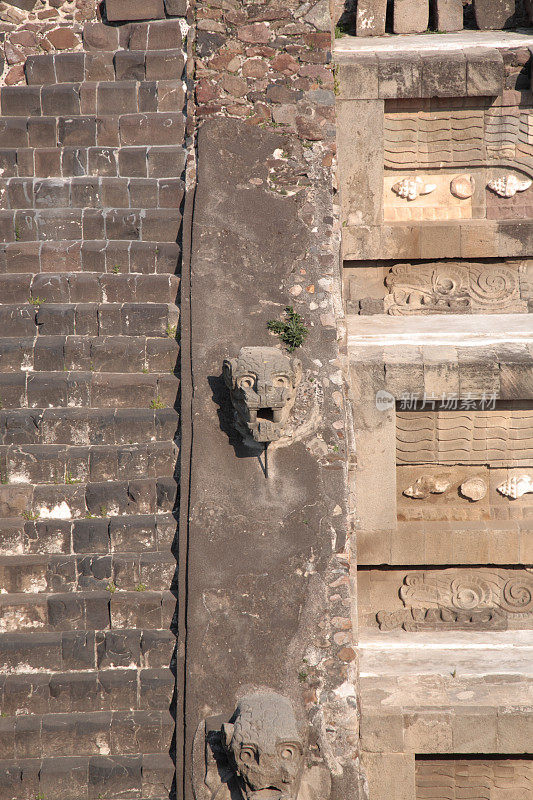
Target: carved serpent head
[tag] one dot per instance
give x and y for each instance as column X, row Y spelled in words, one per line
column 262, row 383
column 265, row 747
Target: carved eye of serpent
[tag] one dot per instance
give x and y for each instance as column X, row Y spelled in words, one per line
column 246, row 382
column 247, row 755
column 281, row 381
column 288, row 752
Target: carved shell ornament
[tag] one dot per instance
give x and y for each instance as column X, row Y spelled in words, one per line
column 474, row 489
column 463, row 186
column 411, row 188
column 516, row 486
column 426, row 485
column 508, row 185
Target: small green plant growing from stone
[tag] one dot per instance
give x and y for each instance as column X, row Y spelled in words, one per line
column 70, row 479
column 302, row 675
column 339, row 31
column 18, row 234
column 111, row 587
column 144, row 370
column 36, row 301
column 157, row 404
column 291, row 331
column 141, row 587
column 29, row 515
column 116, row 269
column 103, row 511
column 171, row 331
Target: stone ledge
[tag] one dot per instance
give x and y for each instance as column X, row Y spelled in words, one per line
column 462, row 542
column 350, row 46
column 391, row 75
column 458, row 239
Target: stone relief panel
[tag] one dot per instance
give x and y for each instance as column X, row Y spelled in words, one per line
column 447, row 599
column 474, row 778
column 495, row 437
column 492, row 145
column 440, row 137
column 441, row 287
column 464, row 493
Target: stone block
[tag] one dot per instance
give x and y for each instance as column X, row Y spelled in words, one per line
column 40, row 70
column 70, row 67
column 360, row 142
column 390, row 775
column 25, row 5
column 443, row 74
column 440, row 241
column 97, row 36
column 20, row 101
column 474, row 732
column 515, row 730
column 484, row 72
column 129, row 65
column 428, row 732
column 358, row 79
column 176, row 8
column 410, row 16
column 370, row 18
column 124, row 10
column 399, row 76
column 63, row 777
column 446, row 15
column 494, row 14
column 63, row 99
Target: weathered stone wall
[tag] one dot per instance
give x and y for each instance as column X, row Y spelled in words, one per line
column 270, row 597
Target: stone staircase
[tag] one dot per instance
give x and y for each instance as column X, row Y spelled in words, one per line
column 91, row 163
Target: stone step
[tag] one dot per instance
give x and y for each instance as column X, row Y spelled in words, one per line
column 88, row 390
column 48, row 159
column 116, row 286
column 85, row 611
column 103, row 98
column 42, row 652
column 124, row 65
column 120, row 256
column 137, row 534
column 23, row 130
column 88, row 287
column 59, row 463
column 85, row 734
column 88, row 319
column 51, row 224
column 147, row 775
column 86, row 500
column 89, row 353
column 91, row 192
column 87, row 426
column 157, row 35
column 34, row 574
column 49, row 692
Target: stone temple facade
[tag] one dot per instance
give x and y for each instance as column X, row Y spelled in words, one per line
column 266, row 400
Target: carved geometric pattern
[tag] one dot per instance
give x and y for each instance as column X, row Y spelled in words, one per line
column 475, row 779
column 493, row 437
column 454, row 287
column 458, row 598
column 460, row 138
